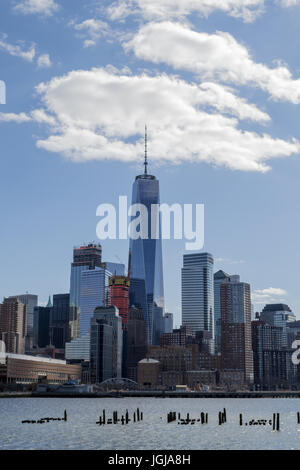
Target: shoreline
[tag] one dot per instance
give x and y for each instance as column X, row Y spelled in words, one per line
column 153, row 394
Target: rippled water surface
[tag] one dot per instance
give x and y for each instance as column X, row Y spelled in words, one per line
column 82, row 432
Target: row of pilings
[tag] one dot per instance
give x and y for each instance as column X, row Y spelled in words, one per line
column 120, row 418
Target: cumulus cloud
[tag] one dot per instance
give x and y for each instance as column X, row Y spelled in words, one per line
column 44, row 61
column 247, row 10
column 17, row 50
column 37, row 115
column 289, row 3
column 44, row 7
column 211, row 56
column 99, row 114
column 12, row 117
column 269, row 295
column 91, row 30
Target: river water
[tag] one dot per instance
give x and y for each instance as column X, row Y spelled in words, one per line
column 154, row 433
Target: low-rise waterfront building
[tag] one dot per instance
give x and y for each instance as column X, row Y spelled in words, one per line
column 21, row 369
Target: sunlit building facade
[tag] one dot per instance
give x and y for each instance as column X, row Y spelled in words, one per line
column 145, row 260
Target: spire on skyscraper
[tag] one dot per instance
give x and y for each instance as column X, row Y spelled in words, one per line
column 146, row 152
column 49, row 304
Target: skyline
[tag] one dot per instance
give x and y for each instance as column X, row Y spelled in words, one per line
column 48, row 203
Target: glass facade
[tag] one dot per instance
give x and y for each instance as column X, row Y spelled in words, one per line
column 75, row 299
column 93, row 292
column 197, row 294
column 145, row 259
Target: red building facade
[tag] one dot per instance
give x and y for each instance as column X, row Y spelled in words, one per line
column 119, row 296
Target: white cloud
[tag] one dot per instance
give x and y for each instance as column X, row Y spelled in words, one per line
column 37, row 115
column 12, row 117
column 44, row 7
column 229, row 261
column 269, row 295
column 91, row 30
column 44, row 61
column 224, row 100
column 289, row 3
column 17, row 50
column 100, row 114
column 211, row 56
column 40, row 116
column 248, row 10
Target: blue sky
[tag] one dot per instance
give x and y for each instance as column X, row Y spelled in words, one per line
column 220, row 92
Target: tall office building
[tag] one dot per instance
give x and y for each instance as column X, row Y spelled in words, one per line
column 145, row 267
column 168, row 322
column 84, row 257
column 59, row 321
column 119, row 296
column 93, row 293
column 137, row 348
column 13, row 325
column 236, row 343
column 197, row 294
column 30, row 301
column 278, row 315
column 106, row 344
column 273, row 365
column 41, row 326
column 219, row 278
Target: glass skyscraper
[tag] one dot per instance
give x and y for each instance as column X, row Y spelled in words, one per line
column 93, row 292
column 84, row 257
column 197, row 295
column 145, row 260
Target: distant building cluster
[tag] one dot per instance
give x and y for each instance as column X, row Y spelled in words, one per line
column 113, row 325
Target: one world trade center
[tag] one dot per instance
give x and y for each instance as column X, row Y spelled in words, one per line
column 145, row 258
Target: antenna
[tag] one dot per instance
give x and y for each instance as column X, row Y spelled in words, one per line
column 146, row 152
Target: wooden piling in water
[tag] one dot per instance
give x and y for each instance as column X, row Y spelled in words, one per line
column 241, row 419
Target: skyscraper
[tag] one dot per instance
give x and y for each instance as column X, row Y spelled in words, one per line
column 236, row 343
column 93, row 293
column 137, row 348
column 41, row 326
column 59, row 321
column 30, row 301
column 273, row 365
column 84, row 257
column 219, row 278
column 119, row 296
column 145, row 267
column 13, row 325
column 278, row 315
column 197, row 295
column 106, row 344
column 168, row 322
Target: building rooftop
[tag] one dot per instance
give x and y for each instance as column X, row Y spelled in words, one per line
column 24, row 357
column 276, row 308
column 148, row 361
